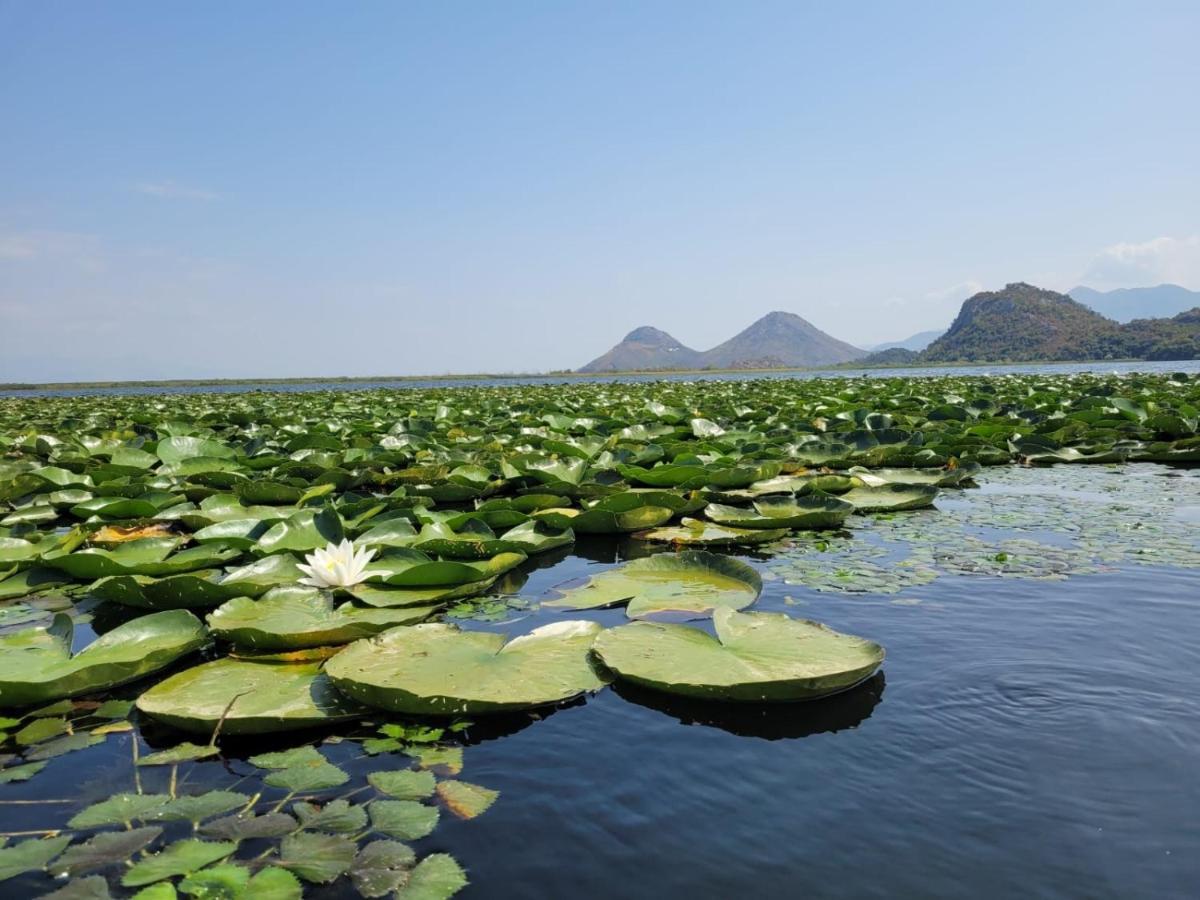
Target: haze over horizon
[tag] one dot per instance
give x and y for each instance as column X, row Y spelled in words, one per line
column 274, row 190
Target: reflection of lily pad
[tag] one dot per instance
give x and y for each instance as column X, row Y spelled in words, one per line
column 693, row 582
column 265, row 697
column 755, row 657
column 440, row 670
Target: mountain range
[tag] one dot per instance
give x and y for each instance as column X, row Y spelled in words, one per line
column 1127, row 304
column 778, row 340
column 1023, row 323
column 1019, row 323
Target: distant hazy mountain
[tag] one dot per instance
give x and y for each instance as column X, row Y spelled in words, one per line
column 646, row 349
column 1127, row 304
column 1026, row 323
column 918, row 341
column 777, row 340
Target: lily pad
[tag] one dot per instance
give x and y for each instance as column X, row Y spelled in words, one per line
column 755, row 658
column 413, row 569
column 891, row 497
column 265, row 697
column 437, row 669
column 698, row 533
column 128, row 652
column 693, row 582
column 407, row 820
column 814, row 510
column 294, row 617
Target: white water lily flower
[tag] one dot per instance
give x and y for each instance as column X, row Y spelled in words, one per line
column 338, row 565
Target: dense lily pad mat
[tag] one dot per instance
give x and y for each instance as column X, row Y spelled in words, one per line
column 754, row 658
column 112, row 507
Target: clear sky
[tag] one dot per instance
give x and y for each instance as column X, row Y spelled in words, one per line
column 278, row 189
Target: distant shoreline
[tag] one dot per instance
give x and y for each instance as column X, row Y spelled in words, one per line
column 547, row 376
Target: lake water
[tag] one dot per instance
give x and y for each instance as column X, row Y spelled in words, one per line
column 1189, row 366
column 1027, row 736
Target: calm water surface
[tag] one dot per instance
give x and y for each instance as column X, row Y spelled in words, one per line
column 1025, row 738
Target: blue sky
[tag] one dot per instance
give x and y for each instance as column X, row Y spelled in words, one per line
column 277, row 189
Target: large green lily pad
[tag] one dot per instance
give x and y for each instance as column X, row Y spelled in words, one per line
column 891, row 497
column 39, row 674
column 294, row 617
column 698, row 533
column 755, row 658
column 813, row 510
column 693, row 583
column 413, row 569
column 437, row 669
column 265, row 697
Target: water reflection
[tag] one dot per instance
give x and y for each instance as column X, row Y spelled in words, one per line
column 769, row 721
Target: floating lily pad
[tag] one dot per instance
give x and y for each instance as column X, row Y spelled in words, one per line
column 814, row 510
column 128, row 652
column 294, row 617
column 265, row 697
column 191, row 591
column 755, row 658
column 698, row 533
column 693, row 583
column 413, row 569
column 891, row 497
column 440, row 670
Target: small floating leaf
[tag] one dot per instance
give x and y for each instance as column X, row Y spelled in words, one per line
column 404, row 784
column 436, row 877
column 381, row 867
column 466, row 800
column 180, row 858
column 319, row 858
column 404, row 819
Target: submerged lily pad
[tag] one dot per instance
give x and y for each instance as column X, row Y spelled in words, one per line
column 440, row 670
column 693, row 582
column 128, row 652
column 755, row 658
column 265, row 697
column 294, row 617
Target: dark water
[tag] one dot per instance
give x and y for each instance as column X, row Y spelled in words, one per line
column 1189, row 366
column 1025, row 738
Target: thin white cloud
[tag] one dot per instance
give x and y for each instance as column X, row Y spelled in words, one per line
column 172, row 190
column 955, row 293
column 58, row 247
column 1163, row 259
